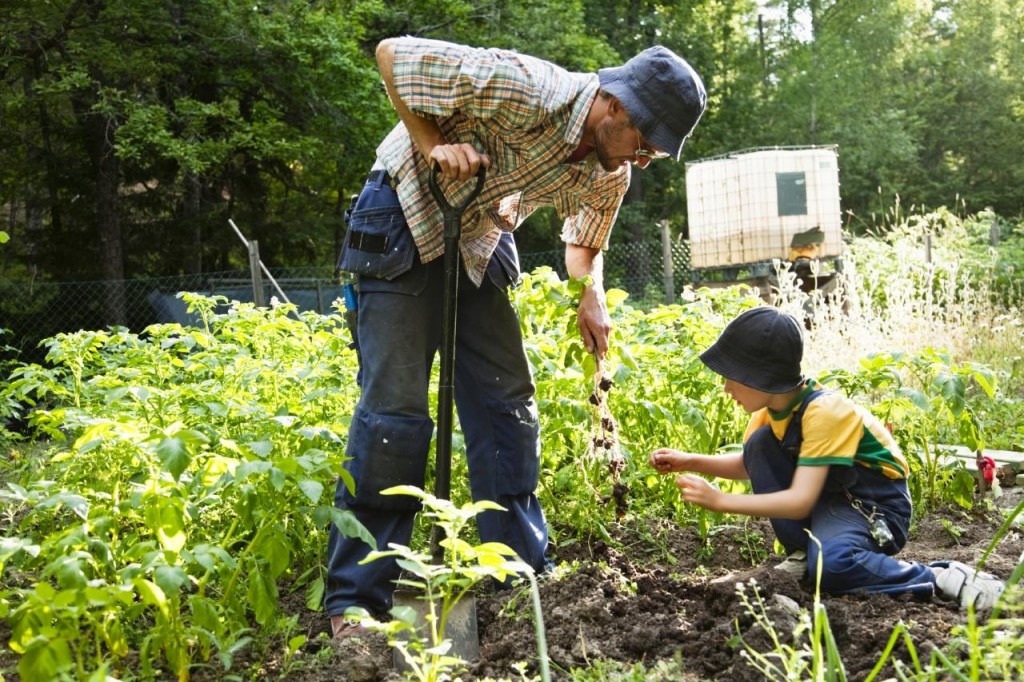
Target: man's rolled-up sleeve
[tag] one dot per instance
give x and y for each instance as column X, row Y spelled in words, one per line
column 591, row 224
column 436, row 78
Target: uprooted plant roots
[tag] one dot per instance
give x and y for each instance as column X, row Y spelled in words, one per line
column 604, row 443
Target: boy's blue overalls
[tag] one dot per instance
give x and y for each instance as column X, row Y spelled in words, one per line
column 399, row 328
column 852, row 560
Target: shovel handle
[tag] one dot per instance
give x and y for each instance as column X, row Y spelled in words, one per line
column 449, row 211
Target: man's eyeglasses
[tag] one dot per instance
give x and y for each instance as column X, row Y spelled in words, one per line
column 644, row 152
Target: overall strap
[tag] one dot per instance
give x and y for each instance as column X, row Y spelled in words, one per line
column 840, row 478
column 794, row 435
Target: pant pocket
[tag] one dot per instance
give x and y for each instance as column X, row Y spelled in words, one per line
column 892, row 499
column 378, row 242
column 503, row 268
column 385, row 451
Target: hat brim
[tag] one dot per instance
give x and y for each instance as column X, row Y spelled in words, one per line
column 719, row 361
column 654, row 132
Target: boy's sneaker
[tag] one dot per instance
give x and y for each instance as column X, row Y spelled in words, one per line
column 795, row 564
column 961, row 583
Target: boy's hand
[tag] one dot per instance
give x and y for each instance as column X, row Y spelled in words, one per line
column 666, row 461
column 698, row 491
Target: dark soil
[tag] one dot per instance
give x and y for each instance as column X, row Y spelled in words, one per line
column 660, row 598
column 650, row 600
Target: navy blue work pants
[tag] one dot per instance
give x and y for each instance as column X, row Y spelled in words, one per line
column 399, row 332
column 851, row 560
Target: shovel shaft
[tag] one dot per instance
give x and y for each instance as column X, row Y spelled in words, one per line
column 446, row 386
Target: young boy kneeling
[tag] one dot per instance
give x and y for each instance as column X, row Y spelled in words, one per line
column 817, row 463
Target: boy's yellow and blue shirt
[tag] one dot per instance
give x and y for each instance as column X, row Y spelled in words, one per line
column 836, row 432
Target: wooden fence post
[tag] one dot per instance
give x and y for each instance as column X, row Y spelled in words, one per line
column 257, row 275
column 666, row 256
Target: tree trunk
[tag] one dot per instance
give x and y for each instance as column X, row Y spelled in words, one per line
column 100, row 134
column 109, row 224
column 191, row 212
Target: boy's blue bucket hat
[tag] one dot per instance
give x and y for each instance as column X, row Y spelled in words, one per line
column 761, row 348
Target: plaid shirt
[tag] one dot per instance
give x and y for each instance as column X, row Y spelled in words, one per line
column 528, row 116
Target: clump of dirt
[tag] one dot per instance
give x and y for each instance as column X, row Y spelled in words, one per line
column 661, row 594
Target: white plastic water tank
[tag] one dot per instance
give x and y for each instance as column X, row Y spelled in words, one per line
column 745, row 207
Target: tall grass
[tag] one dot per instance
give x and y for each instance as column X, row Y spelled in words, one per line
column 931, row 282
column 893, row 297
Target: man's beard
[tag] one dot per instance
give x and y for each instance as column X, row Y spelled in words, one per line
column 603, row 133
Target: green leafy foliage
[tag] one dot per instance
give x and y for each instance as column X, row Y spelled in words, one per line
column 188, row 471
column 926, row 399
column 146, row 124
column 163, row 110
column 661, row 393
column 423, row 640
column 191, row 479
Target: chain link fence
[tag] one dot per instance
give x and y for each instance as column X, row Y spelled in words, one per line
column 641, row 268
column 31, row 312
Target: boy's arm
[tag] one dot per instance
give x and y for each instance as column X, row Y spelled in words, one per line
column 728, row 466
column 794, row 503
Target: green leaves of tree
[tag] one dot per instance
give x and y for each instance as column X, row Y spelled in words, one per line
column 187, row 103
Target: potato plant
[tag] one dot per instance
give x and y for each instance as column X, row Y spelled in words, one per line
column 182, row 477
column 190, row 472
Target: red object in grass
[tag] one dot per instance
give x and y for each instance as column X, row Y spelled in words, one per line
column 987, row 466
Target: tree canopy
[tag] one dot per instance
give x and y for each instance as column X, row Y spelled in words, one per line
column 132, row 130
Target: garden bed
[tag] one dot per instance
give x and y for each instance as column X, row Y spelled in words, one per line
column 649, row 602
